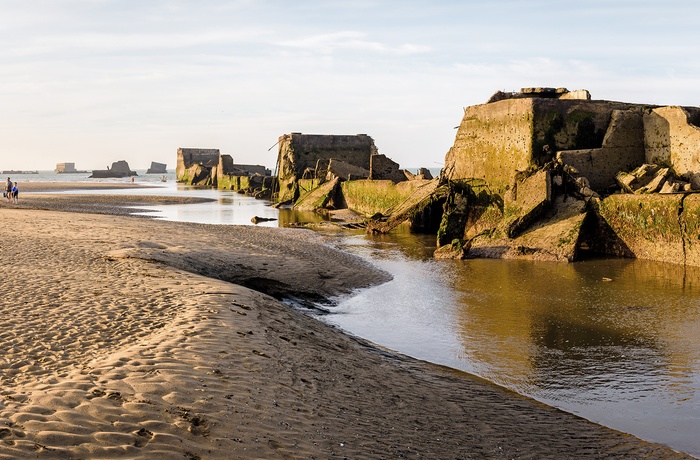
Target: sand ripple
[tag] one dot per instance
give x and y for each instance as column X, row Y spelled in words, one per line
column 125, row 338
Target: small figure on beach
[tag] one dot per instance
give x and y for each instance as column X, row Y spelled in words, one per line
column 15, row 193
column 8, row 190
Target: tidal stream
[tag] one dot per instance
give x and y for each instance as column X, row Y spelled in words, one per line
column 615, row 341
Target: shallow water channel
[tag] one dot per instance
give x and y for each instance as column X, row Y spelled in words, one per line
column 615, row 341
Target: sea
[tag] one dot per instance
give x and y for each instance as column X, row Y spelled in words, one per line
column 615, row 341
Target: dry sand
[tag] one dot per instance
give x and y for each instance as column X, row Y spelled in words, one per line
column 137, row 338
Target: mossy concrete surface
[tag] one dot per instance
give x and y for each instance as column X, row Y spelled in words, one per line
column 690, row 226
column 649, row 225
column 369, row 197
column 318, row 198
column 554, row 237
column 526, row 201
column 412, row 208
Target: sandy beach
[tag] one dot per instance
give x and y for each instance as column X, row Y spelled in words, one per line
column 127, row 337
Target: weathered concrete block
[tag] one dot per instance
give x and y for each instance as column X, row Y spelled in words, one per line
column 655, row 184
column 345, row 171
column 226, row 165
column 529, row 198
column 318, row 198
column 641, row 176
column 670, row 187
column 383, row 168
column 65, row 168
column 555, row 237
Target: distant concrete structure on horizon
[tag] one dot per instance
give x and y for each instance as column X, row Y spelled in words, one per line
column 157, row 168
column 119, row 169
column 67, row 168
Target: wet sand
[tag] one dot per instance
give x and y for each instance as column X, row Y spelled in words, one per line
column 137, row 338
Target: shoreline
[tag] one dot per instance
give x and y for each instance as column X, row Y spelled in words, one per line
column 141, row 338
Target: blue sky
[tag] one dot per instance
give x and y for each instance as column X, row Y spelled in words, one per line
column 96, row 81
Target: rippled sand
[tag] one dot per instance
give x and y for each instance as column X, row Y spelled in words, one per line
column 134, row 338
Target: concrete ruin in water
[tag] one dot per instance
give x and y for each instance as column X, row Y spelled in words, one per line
column 67, row 168
column 327, row 173
column 157, row 168
column 119, row 169
column 543, row 173
column 208, row 167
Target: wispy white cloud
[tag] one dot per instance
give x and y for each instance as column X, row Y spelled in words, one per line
column 350, row 40
column 88, row 76
column 130, row 42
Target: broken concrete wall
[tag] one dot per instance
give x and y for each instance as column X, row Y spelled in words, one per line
column 570, row 125
column 384, row 168
column 672, row 139
column 492, row 143
column 297, row 152
column 187, row 157
column 622, row 150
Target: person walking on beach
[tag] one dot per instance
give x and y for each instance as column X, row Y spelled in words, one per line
column 15, row 193
column 8, row 189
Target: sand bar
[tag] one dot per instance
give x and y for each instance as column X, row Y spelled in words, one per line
column 139, row 338
column 43, row 195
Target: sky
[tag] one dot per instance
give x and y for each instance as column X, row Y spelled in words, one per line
column 97, row 81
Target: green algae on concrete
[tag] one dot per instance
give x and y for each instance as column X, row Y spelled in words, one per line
column 554, row 237
column 369, row 197
column 416, row 208
column 318, row 198
column 648, row 225
column 689, row 221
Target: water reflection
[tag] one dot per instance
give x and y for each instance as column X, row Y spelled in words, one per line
column 226, row 207
column 616, row 341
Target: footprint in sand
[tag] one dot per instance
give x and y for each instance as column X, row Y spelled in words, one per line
column 143, row 436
